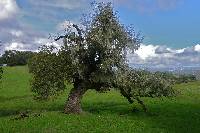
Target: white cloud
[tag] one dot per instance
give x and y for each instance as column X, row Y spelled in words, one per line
column 162, row 56
column 8, row 8
column 180, row 50
column 33, row 46
column 44, row 41
column 15, row 46
column 197, row 48
column 16, row 33
column 146, row 51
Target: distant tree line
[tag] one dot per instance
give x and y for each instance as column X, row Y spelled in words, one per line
column 185, row 78
column 177, row 78
column 16, row 58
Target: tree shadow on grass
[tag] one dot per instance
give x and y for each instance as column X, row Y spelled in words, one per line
column 5, row 113
column 169, row 117
column 5, row 99
column 106, row 107
column 29, row 110
column 22, row 105
column 177, row 117
column 14, row 111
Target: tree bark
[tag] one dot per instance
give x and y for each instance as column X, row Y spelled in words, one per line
column 142, row 104
column 127, row 96
column 73, row 104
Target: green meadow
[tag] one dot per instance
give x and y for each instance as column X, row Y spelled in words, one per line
column 104, row 112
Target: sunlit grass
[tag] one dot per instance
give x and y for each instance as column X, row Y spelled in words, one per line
column 104, row 112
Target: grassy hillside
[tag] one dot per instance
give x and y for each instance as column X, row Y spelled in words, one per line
column 107, row 112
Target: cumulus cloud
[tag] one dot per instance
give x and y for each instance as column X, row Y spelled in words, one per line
column 8, row 8
column 47, row 42
column 21, row 26
column 162, row 49
column 156, row 56
column 197, row 48
column 146, row 51
column 15, row 46
column 15, row 34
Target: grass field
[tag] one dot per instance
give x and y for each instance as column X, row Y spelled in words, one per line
column 105, row 112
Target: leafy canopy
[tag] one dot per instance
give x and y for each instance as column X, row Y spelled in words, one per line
column 94, row 57
column 88, row 56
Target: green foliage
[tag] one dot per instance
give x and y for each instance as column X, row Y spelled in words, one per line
column 141, row 83
column 94, row 58
column 1, row 74
column 14, row 58
column 48, row 80
column 185, row 78
column 177, row 78
column 134, row 84
column 88, row 56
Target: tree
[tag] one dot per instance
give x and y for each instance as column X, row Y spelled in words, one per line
column 134, row 84
column 48, row 73
column 93, row 57
column 1, row 70
column 14, row 57
column 1, row 73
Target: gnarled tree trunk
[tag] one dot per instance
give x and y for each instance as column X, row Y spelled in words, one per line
column 73, row 104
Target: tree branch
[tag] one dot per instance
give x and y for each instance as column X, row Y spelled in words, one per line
column 65, row 36
column 142, row 104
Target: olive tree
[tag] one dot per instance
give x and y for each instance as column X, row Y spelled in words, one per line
column 1, row 69
column 1, row 73
column 134, row 84
column 93, row 56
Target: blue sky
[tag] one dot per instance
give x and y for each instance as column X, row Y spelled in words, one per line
column 171, row 27
column 175, row 25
